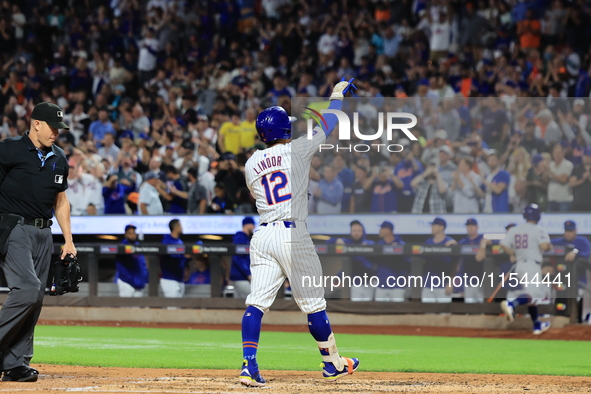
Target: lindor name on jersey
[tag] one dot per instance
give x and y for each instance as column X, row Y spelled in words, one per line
column 266, row 163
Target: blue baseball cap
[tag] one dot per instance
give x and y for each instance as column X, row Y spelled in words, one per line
column 127, row 134
column 536, row 159
column 424, row 81
column 471, row 222
column 569, row 225
column 439, row 221
column 247, row 220
column 130, row 226
column 228, row 156
column 388, row 225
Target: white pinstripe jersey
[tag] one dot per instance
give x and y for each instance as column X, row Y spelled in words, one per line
column 525, row 239
column 278, row 178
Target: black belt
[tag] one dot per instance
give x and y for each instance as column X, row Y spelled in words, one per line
column 286, row 223
column 39, row 222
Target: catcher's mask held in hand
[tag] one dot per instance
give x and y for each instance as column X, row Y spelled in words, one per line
column 65, row 276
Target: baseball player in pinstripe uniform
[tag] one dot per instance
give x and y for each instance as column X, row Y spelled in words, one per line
column 525, row 244
column 281, row 247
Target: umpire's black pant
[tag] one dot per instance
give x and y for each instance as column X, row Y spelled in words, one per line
column 26, row 267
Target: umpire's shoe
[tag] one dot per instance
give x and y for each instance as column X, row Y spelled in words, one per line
column 21, row 374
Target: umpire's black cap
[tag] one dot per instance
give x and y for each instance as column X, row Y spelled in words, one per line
column 51, row 114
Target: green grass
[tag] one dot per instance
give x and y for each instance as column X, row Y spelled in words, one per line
column 170, row 348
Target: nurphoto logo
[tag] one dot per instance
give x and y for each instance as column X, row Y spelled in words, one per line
column 391, row 121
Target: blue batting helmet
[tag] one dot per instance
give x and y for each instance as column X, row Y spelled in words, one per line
column 273, row 124
column 532, row 213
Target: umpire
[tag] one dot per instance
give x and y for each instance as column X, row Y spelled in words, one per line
column 33, row 180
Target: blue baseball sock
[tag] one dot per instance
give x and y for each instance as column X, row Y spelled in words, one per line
column 319, row 326
column 521, row 300
column 533, row 312
column 251, row 332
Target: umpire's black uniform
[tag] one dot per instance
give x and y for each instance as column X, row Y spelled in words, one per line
column 30, row 180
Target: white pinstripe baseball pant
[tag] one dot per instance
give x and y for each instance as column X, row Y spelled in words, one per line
column 278, row 252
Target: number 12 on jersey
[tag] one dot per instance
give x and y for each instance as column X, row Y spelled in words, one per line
column 274, row 197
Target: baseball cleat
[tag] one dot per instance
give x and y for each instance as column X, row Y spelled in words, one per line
column 507, row 307
column 250, row 376
column 330, row 372
column 540, row 327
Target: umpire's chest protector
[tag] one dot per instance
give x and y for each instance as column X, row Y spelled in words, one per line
column 28, row 187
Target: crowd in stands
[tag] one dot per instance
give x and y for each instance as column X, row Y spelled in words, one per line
column 512, row 153
column 161, row 97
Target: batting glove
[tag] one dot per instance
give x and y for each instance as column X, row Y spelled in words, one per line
column 341, row 89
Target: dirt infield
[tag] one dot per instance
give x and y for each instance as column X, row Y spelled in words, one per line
column 571, row 333
column 58, row 378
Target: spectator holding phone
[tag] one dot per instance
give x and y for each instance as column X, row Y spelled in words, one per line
column 430, row 191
